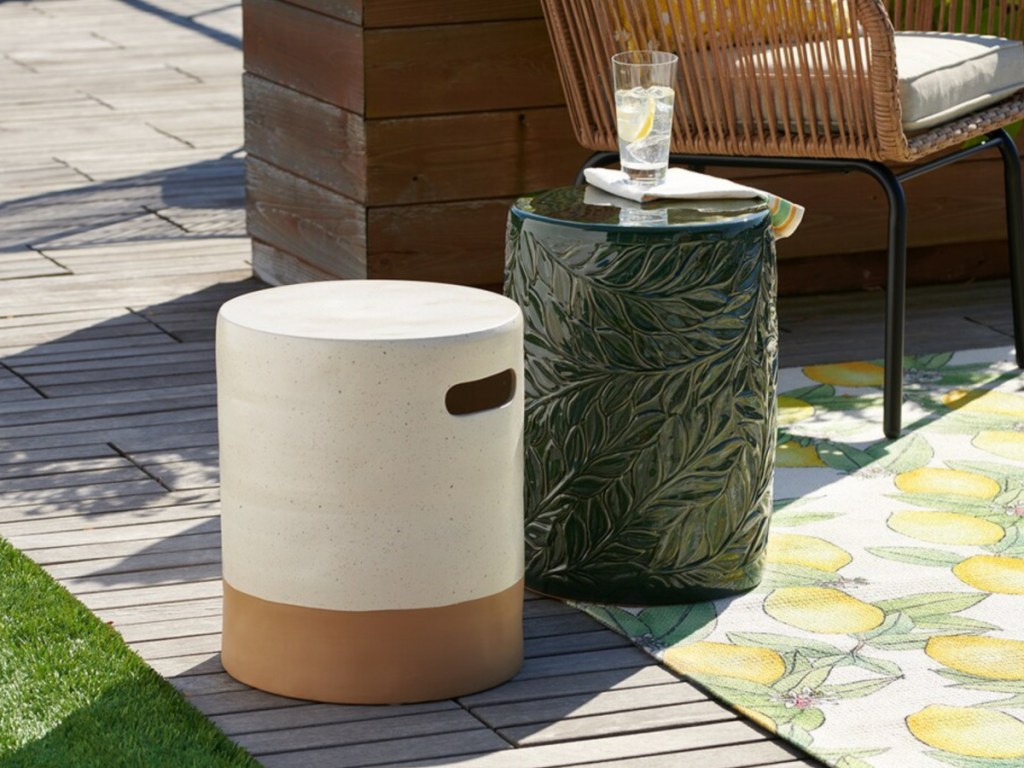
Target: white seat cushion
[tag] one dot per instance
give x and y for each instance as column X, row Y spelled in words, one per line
column 945, row 75
column 941, row 75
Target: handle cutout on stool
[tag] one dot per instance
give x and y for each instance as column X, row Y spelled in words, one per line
column 481, row 395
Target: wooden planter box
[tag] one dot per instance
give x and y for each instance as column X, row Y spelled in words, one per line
column 387, row 139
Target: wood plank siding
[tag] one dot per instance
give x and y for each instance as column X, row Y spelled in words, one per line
column 404, row 129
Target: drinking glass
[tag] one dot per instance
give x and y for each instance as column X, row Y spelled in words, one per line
column 644, row 97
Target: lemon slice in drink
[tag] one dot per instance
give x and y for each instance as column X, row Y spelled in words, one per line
column 635, row 123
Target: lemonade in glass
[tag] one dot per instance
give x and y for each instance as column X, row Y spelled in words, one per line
column 644, row 99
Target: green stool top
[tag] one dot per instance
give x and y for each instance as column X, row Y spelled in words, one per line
column 590, row 208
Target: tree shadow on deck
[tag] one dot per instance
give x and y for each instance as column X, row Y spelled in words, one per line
column 198, row 200
column 192, row 22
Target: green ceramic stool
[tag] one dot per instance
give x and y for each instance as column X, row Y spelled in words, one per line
column 651, row 366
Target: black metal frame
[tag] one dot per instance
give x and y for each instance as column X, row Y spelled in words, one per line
column 896, row 281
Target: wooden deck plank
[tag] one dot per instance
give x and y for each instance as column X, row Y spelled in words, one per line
column 145, row 506
column 744, row 755
column 568, row 726
column 68, row 479
column 679, row 741
column 232, row 702
column 114, row 535
column 145, row 337
column 165, row 593
column 556, row 625
column 146, row 567
column 445, row 748
column 596, row 639
column 43, row 413
column 24, row 469
column 166, row 396
column 319, row 714
column 642, row 672
column 552, row 709
column 78, row 495
column 104, row 429
column 154, row 616
column 402, row 731
column 168, row 628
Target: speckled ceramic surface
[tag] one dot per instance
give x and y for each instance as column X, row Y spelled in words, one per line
column 346, row 484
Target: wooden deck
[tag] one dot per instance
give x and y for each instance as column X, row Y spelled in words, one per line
column 121, row 233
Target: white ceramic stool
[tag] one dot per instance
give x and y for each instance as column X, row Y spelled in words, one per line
column 371, row 482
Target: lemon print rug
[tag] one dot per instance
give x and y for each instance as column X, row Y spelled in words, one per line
column 889, row 627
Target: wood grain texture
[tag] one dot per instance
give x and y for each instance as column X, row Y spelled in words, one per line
column 277, row 267
column 460, row 242
column 351, row 11
column 400, row 13
column 326, row 229
column 307, row 137
column 307, row 51
column 470, row 156
column 476, row 67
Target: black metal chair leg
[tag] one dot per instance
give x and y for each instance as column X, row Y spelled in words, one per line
column 895, row 303
column 1014, row 234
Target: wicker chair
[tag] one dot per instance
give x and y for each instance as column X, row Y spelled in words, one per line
column 819, row 84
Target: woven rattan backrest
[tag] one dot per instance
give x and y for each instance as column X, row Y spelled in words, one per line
column 809, row 78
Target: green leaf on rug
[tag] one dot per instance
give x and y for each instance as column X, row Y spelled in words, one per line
column 810, row 678
column 796, row 734
column 1004, row 474
column 961, row 422
column 73, row 694
column 856, row 689
column 811, row 393
column 850, row 758
column 806, row 719
column 852, row 762
column 844, row 457
column 973, row 682
column 785, row 644
column 672, row 625
column 789, row 517
column 659, row 627
column 912, row 452
column 916, row 556
column 963, row 625
column 929, row 362
column 790, row 575
column 881, row 666
column 962, row 761
column 1012, row 702
column 931, row 604
column 965, row 505
column 894, row 634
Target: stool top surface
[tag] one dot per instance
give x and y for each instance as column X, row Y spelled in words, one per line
column 586, row 207
column 372, row 310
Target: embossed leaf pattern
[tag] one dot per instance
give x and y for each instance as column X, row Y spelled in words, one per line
column 888, row 630
column 651, row 366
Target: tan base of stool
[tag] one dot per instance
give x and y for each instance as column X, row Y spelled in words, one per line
column 373, row 657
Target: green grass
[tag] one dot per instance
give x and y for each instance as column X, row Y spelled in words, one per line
column 73, row 694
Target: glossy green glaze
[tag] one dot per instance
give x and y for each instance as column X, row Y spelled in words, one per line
column 651, row 366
